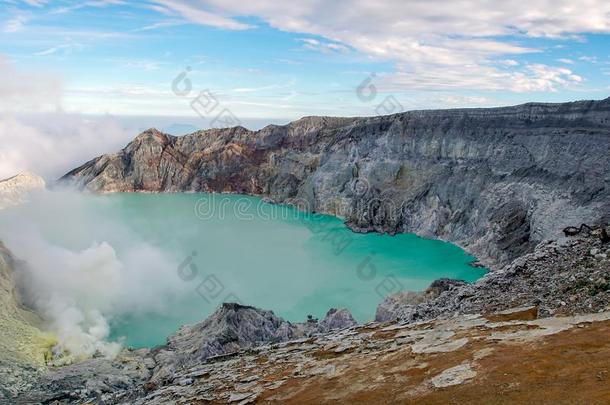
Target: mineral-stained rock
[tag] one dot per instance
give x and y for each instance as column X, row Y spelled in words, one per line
column 495, row 181
column 22, row 344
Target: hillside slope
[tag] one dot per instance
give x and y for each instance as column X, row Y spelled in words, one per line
column 22, row 344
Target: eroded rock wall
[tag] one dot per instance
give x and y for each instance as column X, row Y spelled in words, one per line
column 495, row 181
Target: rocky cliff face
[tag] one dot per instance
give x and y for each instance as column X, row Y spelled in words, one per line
column 495, row 181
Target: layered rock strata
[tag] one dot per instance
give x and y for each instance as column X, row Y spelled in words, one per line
column 495, row 181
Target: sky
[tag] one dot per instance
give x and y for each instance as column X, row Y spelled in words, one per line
column 185, row 64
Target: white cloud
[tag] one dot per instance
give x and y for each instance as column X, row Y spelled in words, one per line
column 16, row 23
column 160, row 24
column 454, row 100
column 35, row 3
column 80, row 290
column 200, row 16
column 589, row 59
column 65, row 49
column 47, row 141
column 322, row 46
column 93, row 3
column 424, row 36
column 509, row 62
column 51, row 144
column 566, row 61
column 534, row 77
column 146, row 65
column 27, row 92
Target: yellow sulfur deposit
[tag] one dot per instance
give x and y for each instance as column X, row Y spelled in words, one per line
column 21, row 340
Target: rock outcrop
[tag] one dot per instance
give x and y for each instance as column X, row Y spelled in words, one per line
column 495, row 181
column 231, row 328
column 14, row 190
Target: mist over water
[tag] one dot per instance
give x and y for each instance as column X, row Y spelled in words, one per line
column 133, row 268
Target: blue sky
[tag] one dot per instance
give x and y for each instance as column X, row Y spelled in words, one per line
column 276, row 62
column 78, row 79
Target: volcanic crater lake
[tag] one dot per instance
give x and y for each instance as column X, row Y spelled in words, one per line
column 237, row 248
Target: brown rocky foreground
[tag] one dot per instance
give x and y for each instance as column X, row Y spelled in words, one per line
column 503, row 358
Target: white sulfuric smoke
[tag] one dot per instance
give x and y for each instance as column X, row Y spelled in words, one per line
column 80, row 289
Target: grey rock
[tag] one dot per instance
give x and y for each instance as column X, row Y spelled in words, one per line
column 231, row 328
column 398, row 306
column 337, row 319
column 441, row 285
column 90, row 380
column 402, row 304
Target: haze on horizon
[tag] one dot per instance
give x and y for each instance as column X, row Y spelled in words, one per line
column 79, row 79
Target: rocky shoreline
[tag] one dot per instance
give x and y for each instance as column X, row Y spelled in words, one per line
column 242, row 354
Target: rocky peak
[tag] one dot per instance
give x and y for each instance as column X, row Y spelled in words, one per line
column 152, row 135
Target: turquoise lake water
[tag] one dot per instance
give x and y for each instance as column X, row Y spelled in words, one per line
column 235, row 248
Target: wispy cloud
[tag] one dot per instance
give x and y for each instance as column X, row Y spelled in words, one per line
column 65, row 49
column 35, row 3
column 197, row 14
column 589, row 59
column 160, row 24
column 146, row 65
column 85, row 4
column 509, row 62
column 16, row 23
column 322, row 46
column 533, row 78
